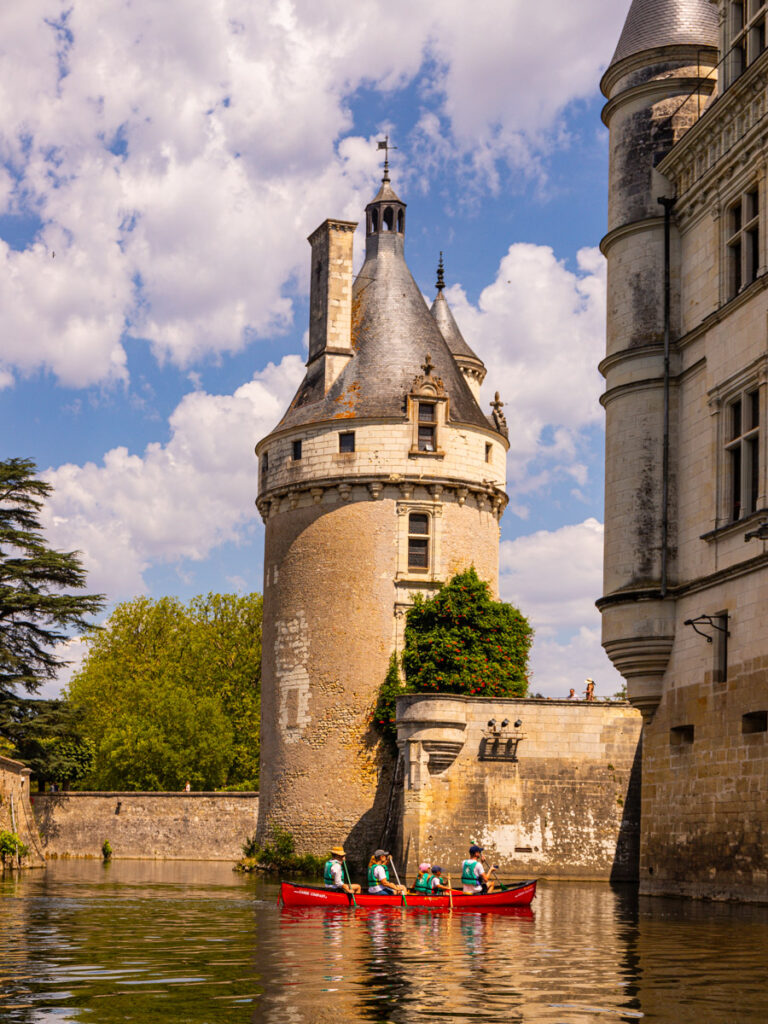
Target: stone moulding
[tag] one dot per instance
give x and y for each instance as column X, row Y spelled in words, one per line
column 485, row 494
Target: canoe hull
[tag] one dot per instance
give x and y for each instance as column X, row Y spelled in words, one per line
column 310, row 896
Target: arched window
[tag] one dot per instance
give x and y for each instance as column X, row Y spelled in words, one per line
column 400, row 221
column 418, row 541
column 374, row 221
column 389, row 219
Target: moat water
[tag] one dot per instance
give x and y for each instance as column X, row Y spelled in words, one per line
column 195, row 943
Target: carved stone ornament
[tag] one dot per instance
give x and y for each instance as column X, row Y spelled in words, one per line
column 499, row 419
column 425, row 383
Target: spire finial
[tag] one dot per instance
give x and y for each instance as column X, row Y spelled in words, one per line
column 428, row 366
column 440, row 275
column 386, row 147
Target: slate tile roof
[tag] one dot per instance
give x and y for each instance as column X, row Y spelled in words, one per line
column 652, row 23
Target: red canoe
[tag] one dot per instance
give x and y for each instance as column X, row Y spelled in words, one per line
column 519, row 895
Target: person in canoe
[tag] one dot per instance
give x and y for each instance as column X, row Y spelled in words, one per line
column 474, row 877
column 439, row 886
column 423, row 883
column 378, row 875
column 333, row 873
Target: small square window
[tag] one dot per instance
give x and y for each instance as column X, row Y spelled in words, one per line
column 418, row 541
column 681, row 735
column 426, row 438
column 296, row 451
column 426, row 412
column 347, row 441
column 418, row 523
column 754, row 721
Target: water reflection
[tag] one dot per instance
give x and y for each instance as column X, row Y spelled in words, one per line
column 189, row 942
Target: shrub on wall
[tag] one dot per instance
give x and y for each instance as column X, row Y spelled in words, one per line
column 459, row 641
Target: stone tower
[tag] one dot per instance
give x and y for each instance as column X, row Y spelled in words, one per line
column 383, row 479
column 657, row 85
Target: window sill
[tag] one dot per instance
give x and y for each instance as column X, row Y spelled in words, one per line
column 416, row 453
column 739, row 525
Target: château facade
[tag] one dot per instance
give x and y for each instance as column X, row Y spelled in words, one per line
column 686, row 402
column 383, row 479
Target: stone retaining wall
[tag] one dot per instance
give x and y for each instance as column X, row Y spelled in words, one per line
column 15, row 810
column 556, row 795
column 169, row 826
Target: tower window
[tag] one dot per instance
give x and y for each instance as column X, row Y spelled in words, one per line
column 742, row 451
column 265, row 463
column 743, row 244
column 400, row 221
column 754, row 721
column 681, row 735
column 418, row 541
column 426, row 412
column 488, row 452
column 347, row 441
column 388, row 219
column 296, row 451
column 374, row 221
column 426, row 437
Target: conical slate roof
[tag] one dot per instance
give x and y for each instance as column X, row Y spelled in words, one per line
column 449, row 329
column 392, row 332
column 652, row 23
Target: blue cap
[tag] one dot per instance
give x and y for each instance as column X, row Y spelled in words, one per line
column 436, row 869
column 475, row 849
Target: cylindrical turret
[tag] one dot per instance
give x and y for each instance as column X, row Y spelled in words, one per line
column 658, row 83
column 383, row 479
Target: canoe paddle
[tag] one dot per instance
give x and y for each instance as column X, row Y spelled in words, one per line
column 351, row 890
column 450, row 893
column 405, row 901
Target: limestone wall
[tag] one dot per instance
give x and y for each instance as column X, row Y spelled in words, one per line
column 166, row 826
column 558, row 795
column 15, row 810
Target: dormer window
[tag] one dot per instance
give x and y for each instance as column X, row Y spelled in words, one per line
column 427, row 411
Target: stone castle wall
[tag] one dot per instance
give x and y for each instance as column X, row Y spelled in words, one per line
column 162, row 826
column 557, row 796
column 15, row 809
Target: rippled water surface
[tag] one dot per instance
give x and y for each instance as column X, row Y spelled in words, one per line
column 174, row 942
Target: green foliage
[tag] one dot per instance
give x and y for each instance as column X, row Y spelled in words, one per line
column 11, row 847
column 462, row 641
column 46, row 735
column 385, row 712
column 171, row 692
column 106, row 851
column 279, row 855
column 37, row 610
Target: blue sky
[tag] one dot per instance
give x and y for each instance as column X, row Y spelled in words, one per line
column 159, row 174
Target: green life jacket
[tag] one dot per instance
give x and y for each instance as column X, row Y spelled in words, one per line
column 372, row 879
column 468, row 876
column 328, row 873
column 424, row 884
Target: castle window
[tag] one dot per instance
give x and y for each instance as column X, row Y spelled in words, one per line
column 743, row 242
column 681, row 735
column 265, row 463
column 742, row 455
column 296, row 451
column 418, row 541
column 745, row 30
column 374, row 221
column 426, row 437
column 389, row 219
column 488, row 452
column 400, row 221
column 754, row 721
column 347, row 441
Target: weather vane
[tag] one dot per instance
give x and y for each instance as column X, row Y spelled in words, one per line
column 386, row 147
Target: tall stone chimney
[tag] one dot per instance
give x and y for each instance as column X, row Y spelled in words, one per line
column 330, row 298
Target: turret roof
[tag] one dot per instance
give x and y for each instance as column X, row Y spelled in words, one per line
column 652, row 23
column 392, row 332
column 449, row 329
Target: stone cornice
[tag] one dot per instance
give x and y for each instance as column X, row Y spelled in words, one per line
column 625, row 230
column 657, row 88
column 485, row 493
column 728, row 134
column 650, row 58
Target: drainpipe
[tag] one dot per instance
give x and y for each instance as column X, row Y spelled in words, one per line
column 667, row 203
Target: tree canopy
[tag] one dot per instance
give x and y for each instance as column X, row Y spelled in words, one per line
column 170, row 693
column 37, row 608
column 459, row 641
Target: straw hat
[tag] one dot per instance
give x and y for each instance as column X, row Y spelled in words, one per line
column 338, row 851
